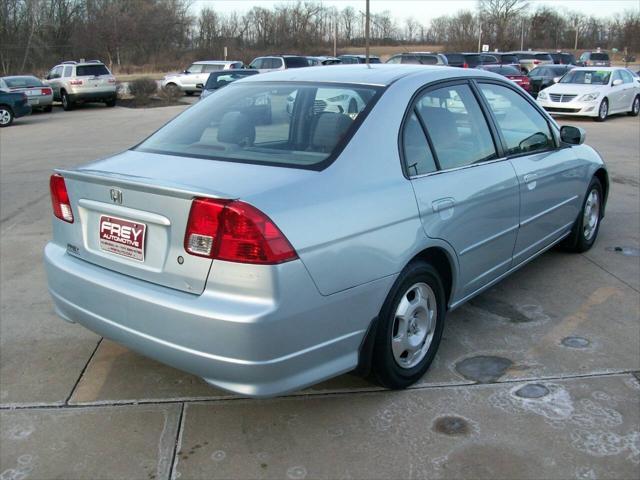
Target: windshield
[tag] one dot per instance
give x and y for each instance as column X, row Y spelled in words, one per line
column 91, row 70
column 23, row 82
column 273, row 123
column 587, row 77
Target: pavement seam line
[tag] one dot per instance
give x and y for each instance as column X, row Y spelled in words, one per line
column 84, row 369
column 194, row 400
column 178, row 443
column 612, row 274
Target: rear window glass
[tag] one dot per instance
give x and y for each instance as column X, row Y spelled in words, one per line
column 472, row 60
column 91, row 70
column 296, row 62
column 273, row 123
column 599, row 56
column 543, row 56
column 212, row 67
column 219, row 80
column 509, row 59
column 23, row 82
column 372, row 60
column 454, row 57
column 420, row 59
column 506, row 70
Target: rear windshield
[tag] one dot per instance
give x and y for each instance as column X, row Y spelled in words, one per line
column 272, row 123
column 543, row 56
column 23, row 82
column 91, row 70
column 420, row 59
column 509, row 59
column 296, row 62
column 454, row 57
column 599, row 56
column 216, row 80
column 506, row 70
column 372, row 60
column 587, row 77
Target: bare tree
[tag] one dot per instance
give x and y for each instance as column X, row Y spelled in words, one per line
column 499, row 14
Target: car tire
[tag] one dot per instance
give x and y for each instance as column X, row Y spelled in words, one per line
column 635, row 107
column 172, row 88
column 189, row 93
column 67, row 104
column 603, row 111
column 583, row 236
column 110, row 103
column 6, row 116
column 47, row 109
column 409, row 327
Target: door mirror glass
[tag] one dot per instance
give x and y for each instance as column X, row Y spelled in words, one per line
column 572, row 135
column 617, row 81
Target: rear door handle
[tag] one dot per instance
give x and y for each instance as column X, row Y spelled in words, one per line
column 443, row 204
column 531, row 180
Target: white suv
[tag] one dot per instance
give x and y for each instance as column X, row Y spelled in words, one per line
column 197, row 73
column 80, row 82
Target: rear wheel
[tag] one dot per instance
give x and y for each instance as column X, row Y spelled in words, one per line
column 409, row 327
column 6, row 116
column 635, row 107
column 172, row 88
column 111, row 102
column 67, row 103
column 587, row 226
column 189, row 93
column 603, row 111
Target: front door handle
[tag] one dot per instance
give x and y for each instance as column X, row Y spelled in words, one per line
column 531, row 180
column 444, row 207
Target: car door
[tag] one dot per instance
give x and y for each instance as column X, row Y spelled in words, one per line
column 190, row 79
column 466, row 195
column 617, row 93
column 550, row 178
column 629, row 88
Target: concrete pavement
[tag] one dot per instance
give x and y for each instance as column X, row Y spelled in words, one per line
column 536, row 378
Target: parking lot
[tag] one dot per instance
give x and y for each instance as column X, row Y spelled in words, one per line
column 539, row 377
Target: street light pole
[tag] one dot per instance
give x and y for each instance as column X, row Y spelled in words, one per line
column 366, row 33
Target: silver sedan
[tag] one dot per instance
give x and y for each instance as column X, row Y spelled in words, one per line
column 39, row 95
column 268, row 257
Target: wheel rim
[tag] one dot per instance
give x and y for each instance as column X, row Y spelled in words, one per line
column 5, row 117
column 64, row 101
column 414, row 325
column 591, row 215
column 604, row 109
column 636, row 105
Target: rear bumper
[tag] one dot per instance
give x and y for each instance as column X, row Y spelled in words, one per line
column 41, row 101
column 21, row 110
column 99, row 96
column 279, row 335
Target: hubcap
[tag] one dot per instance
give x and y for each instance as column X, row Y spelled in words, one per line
column 603, row 110
column 591, row 215
column 414, row 325
column 5, row 117
column 636, row 105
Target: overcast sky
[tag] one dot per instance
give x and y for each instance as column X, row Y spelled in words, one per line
column 425, row 10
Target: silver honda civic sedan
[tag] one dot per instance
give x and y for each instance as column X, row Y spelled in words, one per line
column 268, row 256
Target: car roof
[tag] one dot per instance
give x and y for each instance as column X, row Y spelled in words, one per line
column 357, row 55
column 602, row 69
column 378, row 74
column 12, row 77
column 216, row 62
column 534, row 52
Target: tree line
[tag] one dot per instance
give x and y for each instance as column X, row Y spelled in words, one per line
column 164, row 34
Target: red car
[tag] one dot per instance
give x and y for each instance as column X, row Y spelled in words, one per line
column 512, row 73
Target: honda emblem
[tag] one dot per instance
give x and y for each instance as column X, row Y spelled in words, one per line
column 116, row 195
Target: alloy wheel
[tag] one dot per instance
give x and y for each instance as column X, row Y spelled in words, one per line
column 5, row 116
column 591, row 215
column 604, row 110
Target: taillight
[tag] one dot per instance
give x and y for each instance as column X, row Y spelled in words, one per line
column 536, row 62
column 111, row 80
column 465, row 65
column 46, row 91
column 236, row 232
column 60, row 198
column 75, row 82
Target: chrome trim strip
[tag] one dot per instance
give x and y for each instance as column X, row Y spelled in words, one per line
column 438, row 172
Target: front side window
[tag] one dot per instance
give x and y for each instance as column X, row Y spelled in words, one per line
column 257, row 63
column 523, row 128
column 67, row 71
column 395, row 59
column 282, row 123
column 456, row 126
column 212, row 68
column 195, row 68
column 626, row 76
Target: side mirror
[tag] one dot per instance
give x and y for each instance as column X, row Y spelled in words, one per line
column 572, row 135
column 200, row 86
column 556, row 79
column 617, row 82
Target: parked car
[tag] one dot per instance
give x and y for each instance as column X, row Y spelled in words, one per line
column 13, row 105
column 419, row 58
column 470, row 60
column 332, row 100
column 543, row 77
column 278, row 62
column 40, row 96
column 81, row 82
column 529, row 60
column 563, row 58
column 512, row 72
column 636, row 75
column 594, row 59
column 322, row 60
column 350, row 59
column 274, row 257
column 217, row 80
column 593, row 92
column 197, row 73
column 506, row 58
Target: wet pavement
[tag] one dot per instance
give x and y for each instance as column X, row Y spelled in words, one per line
column 536, row 378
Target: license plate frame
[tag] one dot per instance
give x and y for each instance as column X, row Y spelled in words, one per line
column 128, row 242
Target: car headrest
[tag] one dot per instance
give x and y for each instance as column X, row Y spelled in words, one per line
column 329, row 129
column 236, row 128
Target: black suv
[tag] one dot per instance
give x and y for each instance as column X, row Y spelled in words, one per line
column 470, row 60
column 563, row 58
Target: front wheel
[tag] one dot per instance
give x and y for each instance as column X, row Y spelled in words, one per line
column 6, row 116
column 409, row 327
column 111, row 102
column 587, row 225
column 603, row 111
column 635, row 107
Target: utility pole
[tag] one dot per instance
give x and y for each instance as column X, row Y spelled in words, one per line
column 522, row 36
column 575, row 45
column 366, row 33
column 335, row 35
column 480, row 36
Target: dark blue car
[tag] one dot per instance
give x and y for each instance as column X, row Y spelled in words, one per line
column 12, row 105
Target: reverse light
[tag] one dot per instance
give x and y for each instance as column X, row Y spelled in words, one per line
column 589, row 97
column 235, row 231
column 60, row 198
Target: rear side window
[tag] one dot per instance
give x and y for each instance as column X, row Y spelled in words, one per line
column 418, row 158
column 454, row 57
column 212, row 68
column 543, row 56
column 295, row 62
column 523, row 128
column 289, row 124
column 395, row 59
column 91, row 70
column 456, row 126
column 67, row 71
column 472, row 60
